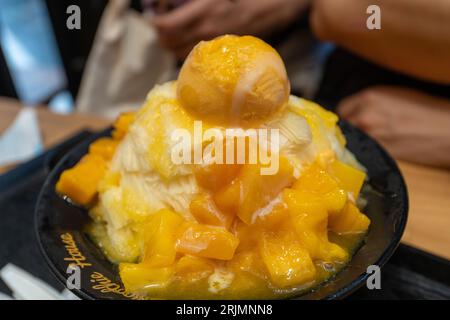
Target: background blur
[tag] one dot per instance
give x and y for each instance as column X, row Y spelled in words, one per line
column 41, row 61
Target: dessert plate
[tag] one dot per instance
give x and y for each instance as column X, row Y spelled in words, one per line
column 60, row 228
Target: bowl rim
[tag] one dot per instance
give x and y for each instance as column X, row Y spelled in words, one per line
column 395, row 241
column 338, row 294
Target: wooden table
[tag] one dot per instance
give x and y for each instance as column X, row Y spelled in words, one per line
column 429, row 188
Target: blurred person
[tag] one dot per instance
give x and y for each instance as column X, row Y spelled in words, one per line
column 412, row 125
column 181, row 24
column 414, row 43
column 195, row 20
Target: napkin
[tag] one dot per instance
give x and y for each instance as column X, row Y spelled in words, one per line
column 22, row 140
column 25, row 286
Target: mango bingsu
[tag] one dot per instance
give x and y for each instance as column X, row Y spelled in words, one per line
column 221, row 229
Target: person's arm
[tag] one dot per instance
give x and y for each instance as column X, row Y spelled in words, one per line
column 181, row 29
column 413, row 126
column 414, row 36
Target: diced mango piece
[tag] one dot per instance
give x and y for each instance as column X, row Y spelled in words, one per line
column 141, row 278
column 122, row 124
column 244, row 260
column 80, row 182
column 248, row 260
column 205, row 211
column 194, row 268
column 216, row 176
column 160, row 235
column 335, row 253
column 349, row 220
column 310, row 220
column 316, row 180
column 287, row 262
column 258, row 190
column 334, row 200
column 307, row 207
column 244, row 285
column 349, row 178
column 248, row 235
column 228, row 198
column 104, row 147
column 109, row 180
column 249, row 270
column 273, row 217
column 207, row 241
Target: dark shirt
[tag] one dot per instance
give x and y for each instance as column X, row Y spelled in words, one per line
column 346, row 74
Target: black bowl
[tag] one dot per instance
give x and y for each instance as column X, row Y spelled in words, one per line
column 60, row 226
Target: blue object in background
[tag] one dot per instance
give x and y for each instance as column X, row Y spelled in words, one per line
column 32, row 55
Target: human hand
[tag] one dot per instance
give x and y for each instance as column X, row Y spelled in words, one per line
column 413, row 126
column 181, row 29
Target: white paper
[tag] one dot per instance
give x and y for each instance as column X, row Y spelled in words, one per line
column 27, row 287
column 22, row 140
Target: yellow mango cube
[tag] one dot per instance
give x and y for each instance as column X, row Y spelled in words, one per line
column 104, row 147
column 248, row 260
column 334, row 200
column 80, row 182
column 216, row 176
column 316, row 180
column 306, row 207
column 194, row 268
column 349, row 178
column 350, row 220
column 334, row 253
column 273, row 217
column 287, row 262
column 248, row 235
column 122, row 124
column 309, row 218
column 141, row 278
column 258, row 190
column 160, row 234
column 207, row 241
column 109, row 180
column 228, row 198
column 249, row 272
column 205, row 211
